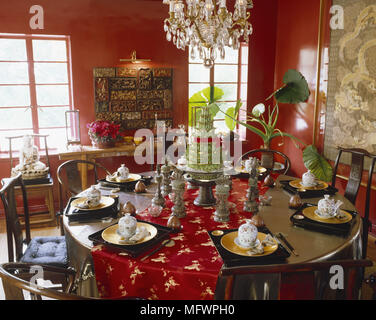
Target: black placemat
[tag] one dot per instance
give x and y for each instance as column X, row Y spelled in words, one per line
column 74, row 214
column 232, row 260
column 137, row 249
column 125, row 186
column 339, row 229
column 308, row 193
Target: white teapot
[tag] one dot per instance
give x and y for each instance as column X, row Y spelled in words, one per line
column 93, row 196
column 247, row 234
column 127, row 226
column 328, row 208
column 122, row 173
column 308, row 179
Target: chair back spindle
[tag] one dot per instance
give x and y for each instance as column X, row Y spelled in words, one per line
column 13, row 226
column 354, row 181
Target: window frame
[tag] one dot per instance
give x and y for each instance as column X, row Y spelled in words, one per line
column 32, row 85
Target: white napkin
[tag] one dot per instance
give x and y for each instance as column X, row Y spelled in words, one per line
column 341, row 215
column 268, row 241
column 140, row 234
column 257, row 248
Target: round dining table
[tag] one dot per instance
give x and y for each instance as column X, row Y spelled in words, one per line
column 312, row 246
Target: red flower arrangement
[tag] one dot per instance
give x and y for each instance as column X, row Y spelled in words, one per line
column 103, row 131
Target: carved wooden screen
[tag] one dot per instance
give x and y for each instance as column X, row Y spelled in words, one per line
column 133, row 97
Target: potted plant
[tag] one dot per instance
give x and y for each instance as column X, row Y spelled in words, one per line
column 103, row 134
column 294, row 90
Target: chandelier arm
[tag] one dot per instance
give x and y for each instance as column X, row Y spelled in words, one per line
column 199, row 35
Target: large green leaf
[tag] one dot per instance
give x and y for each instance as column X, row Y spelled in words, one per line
column 212, row 94
column 295, row 89
column 213, row 107
column 230, row 123
column 233, row 112
column 205, row 97
column 317, row 164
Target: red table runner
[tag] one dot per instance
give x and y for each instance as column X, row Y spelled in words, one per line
column 188, row 270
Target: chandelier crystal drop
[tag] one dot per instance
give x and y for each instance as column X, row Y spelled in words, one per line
column 207, row 27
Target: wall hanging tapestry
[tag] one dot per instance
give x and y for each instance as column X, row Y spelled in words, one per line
column 351, row 105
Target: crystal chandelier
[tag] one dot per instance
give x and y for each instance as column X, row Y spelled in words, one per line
column 207, row 27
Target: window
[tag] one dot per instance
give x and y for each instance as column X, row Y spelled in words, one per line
column 35, row 87
column 229, row 75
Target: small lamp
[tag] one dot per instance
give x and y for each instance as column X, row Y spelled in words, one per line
column 134, row 58
column 72, row 126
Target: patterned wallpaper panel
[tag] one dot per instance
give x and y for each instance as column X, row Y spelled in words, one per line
column 133, row 97
column 351, row 104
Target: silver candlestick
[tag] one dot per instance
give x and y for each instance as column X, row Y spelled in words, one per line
column 158, row 199
column 222, row 191
column 251, row 205
column 166, row 185
column 178, row 187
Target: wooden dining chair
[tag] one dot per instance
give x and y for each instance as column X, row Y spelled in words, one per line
column 358, row 157
column 39, row 250
column 20, row 277
column 274, row 155
column 70, row 184
column 275, row 282
column 57, row 283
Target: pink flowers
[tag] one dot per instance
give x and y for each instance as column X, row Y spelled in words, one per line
column 103, row 130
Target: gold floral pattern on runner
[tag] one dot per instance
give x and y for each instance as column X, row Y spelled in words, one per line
column 122, row 290
column 194, row 266
column 161, row 258
column 136, row 272
column 170, row 283
column 184, row 250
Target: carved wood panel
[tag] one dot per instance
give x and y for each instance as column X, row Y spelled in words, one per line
column 133, row 97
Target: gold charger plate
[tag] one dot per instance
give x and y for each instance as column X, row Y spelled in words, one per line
column 228, row 242
column 132, row 177
column 110, row 234
column 105, row 203
column 321, row 185
column 242, row 170
column 309, row 212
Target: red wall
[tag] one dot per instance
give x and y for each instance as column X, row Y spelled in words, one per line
column 104, row 31
column 297, row 34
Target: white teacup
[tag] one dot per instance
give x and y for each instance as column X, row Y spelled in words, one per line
column 308, row 179
column 247, row 234
column 127, row 226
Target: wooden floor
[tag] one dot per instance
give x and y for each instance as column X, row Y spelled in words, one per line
column 54, row 231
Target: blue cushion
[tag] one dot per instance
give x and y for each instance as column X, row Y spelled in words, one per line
column 47, row 250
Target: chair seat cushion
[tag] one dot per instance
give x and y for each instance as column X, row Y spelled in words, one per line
column 47, row 250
